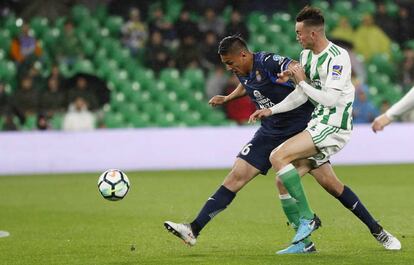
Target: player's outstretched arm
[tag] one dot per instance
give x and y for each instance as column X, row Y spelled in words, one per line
column 292, row 101
column 399, row 108
column 217, row 100
column 327, row 98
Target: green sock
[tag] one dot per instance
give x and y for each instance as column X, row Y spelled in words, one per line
column 290, row 208
column 293, row 184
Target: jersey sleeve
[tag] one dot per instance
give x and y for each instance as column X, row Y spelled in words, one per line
column 339, row 72
column 275, row 64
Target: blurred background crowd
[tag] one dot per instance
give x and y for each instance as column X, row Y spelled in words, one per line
column 80, row 65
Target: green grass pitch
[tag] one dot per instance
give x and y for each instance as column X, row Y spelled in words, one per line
column 62, row 219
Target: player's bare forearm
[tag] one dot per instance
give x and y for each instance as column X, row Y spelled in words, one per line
column 239, row 92
column 287, row 74
column 218, row 100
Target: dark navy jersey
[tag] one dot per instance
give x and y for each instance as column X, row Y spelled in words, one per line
column 262, row 88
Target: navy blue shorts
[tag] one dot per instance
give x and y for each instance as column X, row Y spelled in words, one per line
column 257, row 151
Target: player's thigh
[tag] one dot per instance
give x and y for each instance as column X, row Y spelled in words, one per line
column 298, row 147
column 241, row 173
column 326, row 177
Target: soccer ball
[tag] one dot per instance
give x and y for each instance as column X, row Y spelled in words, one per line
column 113, row 184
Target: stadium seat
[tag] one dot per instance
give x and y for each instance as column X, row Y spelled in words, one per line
column 392, row 8
column 100, row 13
column 366, row 7
column 196, row 78
column 171, row 76
column 7, row 71
column 56, row 121
column 114, row 25
column 114, row 120
column 30, row 123
column 80, row 14
column 83, row 66
column 343, row 8
column 40, row 25
column 322, row 5
column 397, row 55
column 5, row 42
column 383, row 64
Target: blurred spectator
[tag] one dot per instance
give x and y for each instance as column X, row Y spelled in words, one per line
column 210, row 56
column 387, row 23
column 25, row 47
column 185, row 27
column 42, row 122
column 216, row 82
column 370, row 39
column 68, row 45
column 34, row 74
column 343, row 31
column 78, row 117
column 157, row 53
column 363, row 110
column 236, row 26
column 385, row 105
column 52, row 99
column 83, row 91
column 161, row 24
column 239, row 109
column 407, row 73
column 405, row 25
column 4, row 100
column 188, row 54
column 134, row 32
column 9, row 123
column 210, row 22
column 26, row 98
column 55, row 73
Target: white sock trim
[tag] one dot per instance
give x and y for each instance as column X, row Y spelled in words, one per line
column 285, row 196
column 285, row 169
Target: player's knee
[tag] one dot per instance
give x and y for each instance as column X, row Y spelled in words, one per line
column 277, row 159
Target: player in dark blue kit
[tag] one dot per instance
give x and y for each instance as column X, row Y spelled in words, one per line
column 258, row 74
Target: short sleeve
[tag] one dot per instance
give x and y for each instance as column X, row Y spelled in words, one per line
column 275, row 64
column 339, row 72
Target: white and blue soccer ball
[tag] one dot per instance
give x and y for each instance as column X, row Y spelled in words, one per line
column 113, row 184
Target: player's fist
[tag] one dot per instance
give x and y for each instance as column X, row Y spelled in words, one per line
column 259, row 114
column 217, row 100
column 380, row 122
column 284, row 76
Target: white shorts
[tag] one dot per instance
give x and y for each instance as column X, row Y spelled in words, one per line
column 328, row 140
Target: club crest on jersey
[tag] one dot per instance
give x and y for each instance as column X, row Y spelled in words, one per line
column 278, row 58
column 337, row 71
column 257, row 95
column 258, row 76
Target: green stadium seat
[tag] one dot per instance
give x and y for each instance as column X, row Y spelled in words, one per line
column 40, row 25
column 366, row 7
column 5, row 42
column 114, row 120
column 57, row 121
column 114, row 25
column 383, row 64
column 101, row 13
column 196, row 78
column 171, row 77
column 343, row 8
column 322, row 5
column 30, row 123
column 397, row 55
column 7, row 71
column 12, row 24
column 392, row 8
column 83, row 66
column 80, row 14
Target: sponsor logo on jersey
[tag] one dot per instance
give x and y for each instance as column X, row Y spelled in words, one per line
column 258, row 76
column 337, row 71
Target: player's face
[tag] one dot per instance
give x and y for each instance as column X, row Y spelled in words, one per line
column 236, row 63
column 304, row 35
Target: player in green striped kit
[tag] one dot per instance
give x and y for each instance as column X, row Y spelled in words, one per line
column 324, row 77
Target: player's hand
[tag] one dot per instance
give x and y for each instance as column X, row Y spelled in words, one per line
column 259, row 114
column 380, row 122
column 298, row 74
column 284, row 76
column 217, row 100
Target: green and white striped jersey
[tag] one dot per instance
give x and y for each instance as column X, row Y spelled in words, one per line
column 331, row 68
